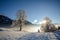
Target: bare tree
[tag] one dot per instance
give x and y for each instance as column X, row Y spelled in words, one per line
column 21, row 17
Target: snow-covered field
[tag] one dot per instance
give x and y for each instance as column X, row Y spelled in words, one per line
column 22, row 35
column 14, row 34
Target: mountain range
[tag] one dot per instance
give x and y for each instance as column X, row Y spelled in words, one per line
column 4, row 21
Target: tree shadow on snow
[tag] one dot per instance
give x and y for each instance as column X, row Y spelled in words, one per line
column 57, row 34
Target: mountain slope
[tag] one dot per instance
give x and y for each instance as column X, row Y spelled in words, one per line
column 4, row 21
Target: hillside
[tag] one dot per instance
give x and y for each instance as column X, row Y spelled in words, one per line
column 5, row 21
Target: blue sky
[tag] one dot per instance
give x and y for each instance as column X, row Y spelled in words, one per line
column 35, row 9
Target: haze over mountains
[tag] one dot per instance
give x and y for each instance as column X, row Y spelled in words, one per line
column 4, row 21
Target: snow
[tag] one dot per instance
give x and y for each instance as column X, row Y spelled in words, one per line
column 22, row 35
column 57, row 34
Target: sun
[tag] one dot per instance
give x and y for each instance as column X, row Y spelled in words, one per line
column 35, row 21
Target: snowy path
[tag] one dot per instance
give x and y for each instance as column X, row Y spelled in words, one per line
column 17, row 35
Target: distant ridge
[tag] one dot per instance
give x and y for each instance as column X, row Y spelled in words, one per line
column 4, row 21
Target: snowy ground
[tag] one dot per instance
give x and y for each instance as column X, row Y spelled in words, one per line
column 21, row 35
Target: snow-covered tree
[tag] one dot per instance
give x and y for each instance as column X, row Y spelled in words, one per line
column 47, row 26
column 21, row 17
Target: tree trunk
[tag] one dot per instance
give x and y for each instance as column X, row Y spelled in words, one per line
column 21, row 24
column 20, row 27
